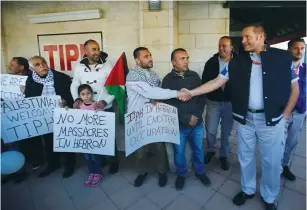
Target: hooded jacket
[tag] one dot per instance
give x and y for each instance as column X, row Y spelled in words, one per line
column 95, row 77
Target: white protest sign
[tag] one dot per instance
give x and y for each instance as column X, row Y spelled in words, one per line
column 151, row 124
column 28, row 117
column 84, row 131
column 11, row 86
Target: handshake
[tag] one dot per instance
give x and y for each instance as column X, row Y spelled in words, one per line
column 184, row 94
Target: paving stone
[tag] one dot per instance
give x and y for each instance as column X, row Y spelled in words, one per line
column 299, row 185
column 60, row 204
column 74, row 184
column 217, row 180
column 292, row 200
column 104, row 204
column 126, row 197
column 195, row 191
column 144, row 203
column 11, row 192
column 48, row 186
column 87, row 197
column 235, row 175
column 163, row 196
column 111, row 184
column 219, row 201
column 230, row 188
column 182, row 203
column 298, row 166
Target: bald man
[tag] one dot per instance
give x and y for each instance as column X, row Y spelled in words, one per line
column 219, row 109
column 94, row 70
column 264, row 92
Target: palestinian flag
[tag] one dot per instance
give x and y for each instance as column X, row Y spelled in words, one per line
column 115, row 85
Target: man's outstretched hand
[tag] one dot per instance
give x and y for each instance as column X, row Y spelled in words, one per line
column 184, row 95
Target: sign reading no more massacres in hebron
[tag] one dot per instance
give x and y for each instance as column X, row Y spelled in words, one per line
column 84, row 131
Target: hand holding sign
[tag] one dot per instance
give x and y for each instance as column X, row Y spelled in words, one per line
column 62, row 103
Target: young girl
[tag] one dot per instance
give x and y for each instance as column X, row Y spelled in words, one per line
column 93, row 161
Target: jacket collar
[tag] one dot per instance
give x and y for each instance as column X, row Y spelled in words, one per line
column 267, row 48
column 217, row 55
column 176, row 73
column 102, row 59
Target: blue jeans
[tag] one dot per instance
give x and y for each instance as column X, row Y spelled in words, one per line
column 216, row 112
column 93, row 163
column 195, row 135
column 271, row 143
column 293, row 128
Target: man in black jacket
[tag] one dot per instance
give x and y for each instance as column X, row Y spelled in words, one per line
column 45, row 81
column 264, row 92
column 20, row 66
column 218, row 103
column 190, row 117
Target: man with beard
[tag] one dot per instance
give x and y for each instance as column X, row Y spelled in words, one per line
column 94, row 70
column 20, row 66
column 296, row 119
column 142, row 86
column 264, row 92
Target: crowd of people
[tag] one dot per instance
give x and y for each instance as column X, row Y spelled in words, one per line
column 263, row 89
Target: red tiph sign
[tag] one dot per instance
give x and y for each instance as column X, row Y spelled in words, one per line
column 64, row 51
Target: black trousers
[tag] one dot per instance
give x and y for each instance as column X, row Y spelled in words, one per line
column 34, row 152
column 32, row 149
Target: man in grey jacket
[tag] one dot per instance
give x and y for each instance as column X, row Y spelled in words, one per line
column 190, row 118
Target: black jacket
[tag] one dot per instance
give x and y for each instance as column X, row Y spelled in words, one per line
column 276, row 72
column 195, row 106
column 61, row 85
column 211, row 71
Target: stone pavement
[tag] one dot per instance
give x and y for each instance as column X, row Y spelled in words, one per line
column 117, row 191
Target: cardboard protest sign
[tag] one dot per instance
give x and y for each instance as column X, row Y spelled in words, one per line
column 12, row 86
column 84, row 131
column 151, row 124
column 28, row 117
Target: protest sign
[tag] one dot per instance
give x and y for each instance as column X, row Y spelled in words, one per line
column 84, row 131
column 28, row 117
column 151, row 124
column 11, row 86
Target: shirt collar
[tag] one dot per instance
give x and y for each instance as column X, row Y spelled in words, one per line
column 253, row 54
column 221, row 59
column 299, row 66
